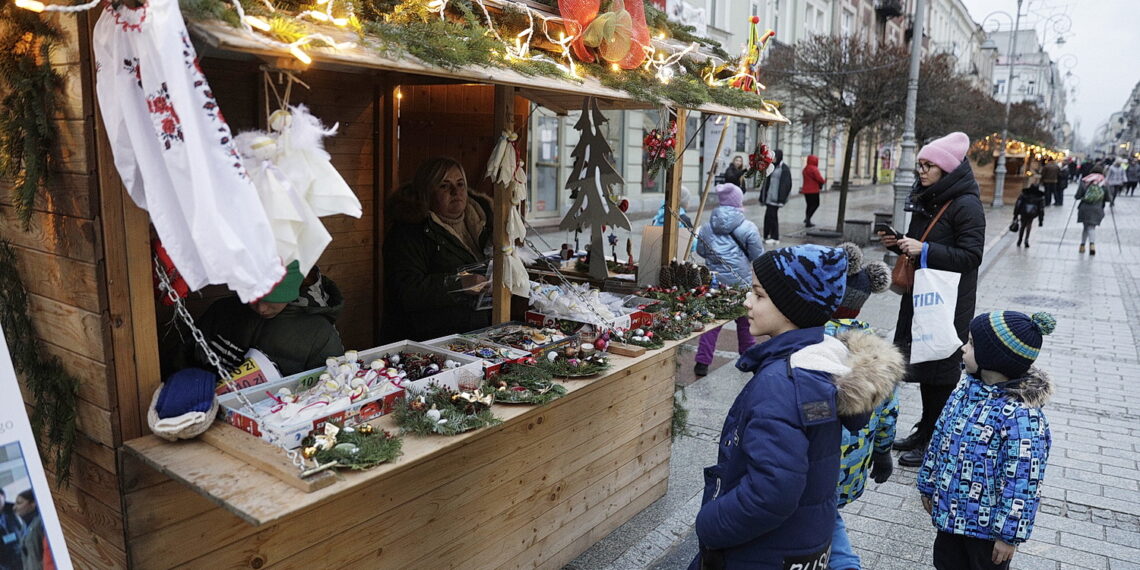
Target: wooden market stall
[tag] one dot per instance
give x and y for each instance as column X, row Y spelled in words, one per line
column 535, row 490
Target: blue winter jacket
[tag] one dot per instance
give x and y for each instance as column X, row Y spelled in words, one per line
column 770, row 499
column 986, row 460
column 729, row 242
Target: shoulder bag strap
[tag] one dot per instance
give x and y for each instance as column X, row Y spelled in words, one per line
column 934, row 220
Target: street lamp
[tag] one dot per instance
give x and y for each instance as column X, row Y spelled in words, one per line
column 904, row 181
column 1060, row 23
column 999, row 172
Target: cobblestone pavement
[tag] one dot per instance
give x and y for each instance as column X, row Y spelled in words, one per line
column 1090, row 513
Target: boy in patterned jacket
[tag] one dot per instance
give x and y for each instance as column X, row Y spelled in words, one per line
column 981, row 477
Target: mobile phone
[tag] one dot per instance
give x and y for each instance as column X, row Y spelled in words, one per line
column 888, row 230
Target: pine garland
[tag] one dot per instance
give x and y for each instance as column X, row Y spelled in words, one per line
column 55, row 393
column 28, row 135
column 680, row 424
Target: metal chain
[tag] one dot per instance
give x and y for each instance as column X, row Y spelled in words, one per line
column 296, row 458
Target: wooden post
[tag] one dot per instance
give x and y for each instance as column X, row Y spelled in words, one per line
column 673, row 193
column 705, row 192
column 501, row 296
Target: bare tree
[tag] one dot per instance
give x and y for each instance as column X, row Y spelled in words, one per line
column 846, row 81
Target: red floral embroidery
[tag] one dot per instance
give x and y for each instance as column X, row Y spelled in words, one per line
column 128, row 19
column 164, row 117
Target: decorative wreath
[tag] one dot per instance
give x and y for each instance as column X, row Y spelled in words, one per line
column 523, row 384
column 441, row 410
column 758, row 163
column 357, row 448
column 661, row 146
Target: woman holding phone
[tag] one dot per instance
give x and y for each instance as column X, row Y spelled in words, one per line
column 946, row 198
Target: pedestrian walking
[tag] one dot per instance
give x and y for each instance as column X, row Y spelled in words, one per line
column 1116, row 176
column 1074, row 171
column 955, row 243
column 728, row 243
column 813, row 180
column 1030, row 204
column 1133, row 175
column 774, row 194
column 1051, row 182
column 734, row 174
column 1091, row 197
column 769, row 502
column 866, row 452
column 981, row 478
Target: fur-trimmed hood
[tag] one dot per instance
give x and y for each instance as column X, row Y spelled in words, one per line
column 405, row 208
column 1034, row 389
column 864, row 367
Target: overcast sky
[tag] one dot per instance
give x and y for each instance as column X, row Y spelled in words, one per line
column 1105, row 38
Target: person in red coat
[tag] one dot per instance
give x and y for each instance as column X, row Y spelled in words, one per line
column 813, row 180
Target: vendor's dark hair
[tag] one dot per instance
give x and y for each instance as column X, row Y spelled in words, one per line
column 429, row 174
column 27, row 496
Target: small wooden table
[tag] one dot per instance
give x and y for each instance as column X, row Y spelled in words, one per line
column 534, row 491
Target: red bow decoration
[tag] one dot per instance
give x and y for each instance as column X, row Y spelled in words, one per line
column 619, row 36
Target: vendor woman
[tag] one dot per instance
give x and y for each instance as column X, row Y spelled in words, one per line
column 441, row 228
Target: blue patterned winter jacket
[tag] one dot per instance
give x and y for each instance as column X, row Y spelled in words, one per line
column 986, row 460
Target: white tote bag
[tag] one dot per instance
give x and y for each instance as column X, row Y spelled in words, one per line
column 935, row 296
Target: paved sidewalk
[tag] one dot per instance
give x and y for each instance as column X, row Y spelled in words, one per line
column 1090, row 514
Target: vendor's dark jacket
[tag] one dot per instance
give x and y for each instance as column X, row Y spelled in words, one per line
column 956, row 244
column 771, row 498
column 10, row 529
column 299, row 338
column 420, row 263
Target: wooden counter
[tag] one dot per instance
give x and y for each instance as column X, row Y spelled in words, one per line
column 534, row 491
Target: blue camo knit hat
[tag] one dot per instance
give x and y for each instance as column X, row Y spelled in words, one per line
column 805, row 282
column 1008, row 342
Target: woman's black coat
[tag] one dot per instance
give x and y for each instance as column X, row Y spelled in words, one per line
column 955, row 244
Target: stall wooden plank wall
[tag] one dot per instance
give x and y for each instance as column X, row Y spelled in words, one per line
column 62, row 263
column 533, row 492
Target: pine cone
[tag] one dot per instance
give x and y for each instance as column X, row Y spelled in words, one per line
column 666, row 278
column 706, row 276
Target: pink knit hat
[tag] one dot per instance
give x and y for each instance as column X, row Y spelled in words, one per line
column 947, row 152
column 730, row 194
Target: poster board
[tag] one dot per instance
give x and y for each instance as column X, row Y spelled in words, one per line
column 649, row 258
column 21, row 470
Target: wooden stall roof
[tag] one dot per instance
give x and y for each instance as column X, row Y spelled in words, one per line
column 246, row 487
column 557, row 94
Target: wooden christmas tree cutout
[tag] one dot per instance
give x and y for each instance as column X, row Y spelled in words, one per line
column 591, row 183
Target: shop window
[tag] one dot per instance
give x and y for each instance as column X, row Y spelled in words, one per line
column 546, row 148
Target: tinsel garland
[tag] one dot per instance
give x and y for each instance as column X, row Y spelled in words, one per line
column 28, row 135
column 366, row 449
column 55, row 393
column 456, row 413
column 525, row 385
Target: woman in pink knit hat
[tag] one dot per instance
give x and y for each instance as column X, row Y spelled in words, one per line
column 945, row 184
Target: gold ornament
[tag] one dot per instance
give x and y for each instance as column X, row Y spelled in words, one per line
column 308, row 452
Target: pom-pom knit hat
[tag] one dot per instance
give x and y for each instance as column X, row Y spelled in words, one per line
column 863, row 279
column 730, row 194
column 805, row 282
column 947, row 152
column 1008, row 341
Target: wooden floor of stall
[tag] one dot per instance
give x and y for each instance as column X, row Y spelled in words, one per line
column 532, row 492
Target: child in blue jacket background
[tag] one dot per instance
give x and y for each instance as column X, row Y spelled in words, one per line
column 981, row 477
column 770, row 501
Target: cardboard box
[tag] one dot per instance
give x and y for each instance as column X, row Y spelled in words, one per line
column 491, row 366
column 291, row 434
column 633, row 319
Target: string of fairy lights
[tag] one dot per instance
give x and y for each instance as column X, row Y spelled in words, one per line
column 662, row 60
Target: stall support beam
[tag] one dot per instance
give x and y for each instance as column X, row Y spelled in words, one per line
column 501, row 296
column 673, row 193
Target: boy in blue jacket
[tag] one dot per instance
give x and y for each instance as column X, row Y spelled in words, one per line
column 770, row 501
column 981, row 477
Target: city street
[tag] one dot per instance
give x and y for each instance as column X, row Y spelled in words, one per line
column 1091, row 500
